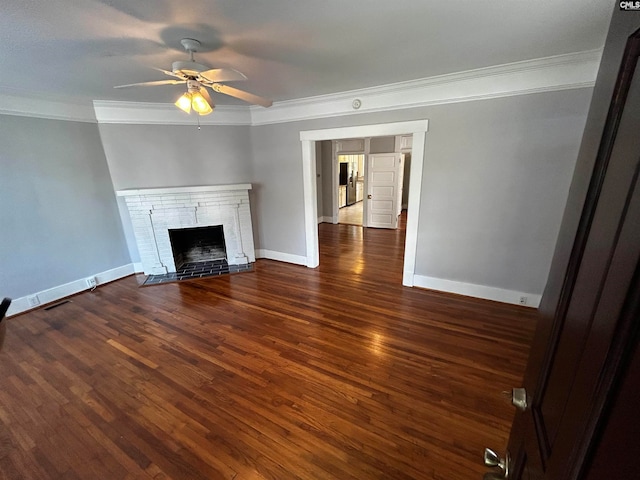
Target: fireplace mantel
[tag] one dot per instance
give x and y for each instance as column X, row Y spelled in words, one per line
column 202, row 188
column 155, row 211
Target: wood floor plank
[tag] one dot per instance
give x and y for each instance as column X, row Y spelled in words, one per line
column 282, row 373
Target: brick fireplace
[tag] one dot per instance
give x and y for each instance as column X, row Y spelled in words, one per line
column 158, row 215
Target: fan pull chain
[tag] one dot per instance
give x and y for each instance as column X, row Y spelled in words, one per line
column 198, row 117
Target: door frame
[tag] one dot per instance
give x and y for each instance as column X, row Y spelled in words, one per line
column 417, row 128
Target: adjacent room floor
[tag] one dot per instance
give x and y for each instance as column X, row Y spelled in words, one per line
column 351, row 215
column 282, row 373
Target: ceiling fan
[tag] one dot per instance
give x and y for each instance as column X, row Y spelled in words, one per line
column 197, row 77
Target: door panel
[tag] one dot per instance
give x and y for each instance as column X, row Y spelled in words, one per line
column 593, row 271
column 383, row 188
column 592, row 325
column 384, row 177
column 382, row 192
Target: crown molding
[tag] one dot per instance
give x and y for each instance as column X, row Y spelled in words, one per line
column 31, row 106
column 560, row 72
column 107, row 111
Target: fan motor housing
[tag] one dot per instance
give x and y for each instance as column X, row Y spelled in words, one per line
column 190, row 69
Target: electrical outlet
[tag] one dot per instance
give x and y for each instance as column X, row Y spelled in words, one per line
column 33, row 300
column 523, row 300
column 92, row 282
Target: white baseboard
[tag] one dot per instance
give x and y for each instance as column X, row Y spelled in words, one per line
column 477, row 291
column 325, row 219
column 137, row 267
column 21, row 304
column 281, row 257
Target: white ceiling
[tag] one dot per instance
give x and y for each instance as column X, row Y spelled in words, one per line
column 288, row 48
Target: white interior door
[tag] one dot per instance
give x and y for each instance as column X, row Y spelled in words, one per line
column 382, row 187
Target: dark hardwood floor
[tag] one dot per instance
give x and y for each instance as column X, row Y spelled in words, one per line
column 285, row 372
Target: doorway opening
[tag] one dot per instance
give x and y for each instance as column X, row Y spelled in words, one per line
column 363, row 181
column 350, row 196
column 416, row 131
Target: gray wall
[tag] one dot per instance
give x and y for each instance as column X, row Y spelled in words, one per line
column 495, row 184
column 148, row 156
column 406, row 180
column 58, row 213
column 278, row 202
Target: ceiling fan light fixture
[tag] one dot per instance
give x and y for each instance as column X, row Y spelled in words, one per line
column 200, row 104
column 184, row 102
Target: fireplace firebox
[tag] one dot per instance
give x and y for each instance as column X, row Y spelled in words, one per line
column 199, row 244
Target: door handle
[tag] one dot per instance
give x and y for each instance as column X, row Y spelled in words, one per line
column 493, row 460
column 519, row 399
column 369, row 196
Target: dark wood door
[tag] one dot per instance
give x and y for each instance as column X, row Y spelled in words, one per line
column 580, row 352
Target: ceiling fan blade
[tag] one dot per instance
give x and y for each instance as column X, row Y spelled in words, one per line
column 168, row 72
column 151, row 84
column 206, row 95
column 222, row 75
column 242, row 95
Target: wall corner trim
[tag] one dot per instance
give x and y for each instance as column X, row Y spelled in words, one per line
column 281, row 256
column 35, row 107
column 20, row 305
column 558, row 72
column 140, row 113
column 477, row 291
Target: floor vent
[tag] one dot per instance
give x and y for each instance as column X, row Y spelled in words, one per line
column 56, row 305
